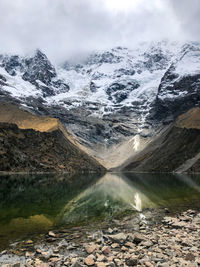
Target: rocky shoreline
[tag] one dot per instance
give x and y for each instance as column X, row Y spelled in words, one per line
column 133, row 241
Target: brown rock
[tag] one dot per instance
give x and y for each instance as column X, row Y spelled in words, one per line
column 76, row 264
column 148, row 264
column 90, row 248
column 100, row 257
column 51, row 234
column 137, row 238
column 100, row 264
column 106, row 250
column 132, row 261
column 130, row 245
column 115, row 245
column 39, row 263
column 118, row 238
column 89, row 261
column 28, row 254
column 110, row 259
column 29, row 242
column 54, row 259
column 190, row 257
column 118, row 262
column 123, row 248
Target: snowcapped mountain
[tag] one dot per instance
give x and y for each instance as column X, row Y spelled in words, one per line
column 111, row 94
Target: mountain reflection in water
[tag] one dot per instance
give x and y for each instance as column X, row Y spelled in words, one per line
column 32, row 204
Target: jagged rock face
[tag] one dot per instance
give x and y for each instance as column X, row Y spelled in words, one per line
column 36, row 70
column 179, row 89
column 110, row 95
column 39, row 68
column 118, row 92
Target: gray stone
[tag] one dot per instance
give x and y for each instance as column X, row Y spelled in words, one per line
column 133, row 261
column 118, row 238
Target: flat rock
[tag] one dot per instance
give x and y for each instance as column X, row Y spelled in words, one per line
column 118, row 238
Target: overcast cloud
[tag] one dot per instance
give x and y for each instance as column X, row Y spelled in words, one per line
column 68, row 27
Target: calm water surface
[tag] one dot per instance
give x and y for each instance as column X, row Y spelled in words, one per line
column 32, row 204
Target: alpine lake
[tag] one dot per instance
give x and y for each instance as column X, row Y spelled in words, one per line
column 33, row 204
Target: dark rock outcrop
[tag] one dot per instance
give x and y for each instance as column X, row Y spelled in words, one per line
column 30, row 150
column 32, row 143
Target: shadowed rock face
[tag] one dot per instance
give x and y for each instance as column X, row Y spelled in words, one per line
column 39, row 68
column 39, row 144
column 179, row 146
column 29, row 150
column 169, row 108
column 118, row 92
column 179, row 89
column 176, row 149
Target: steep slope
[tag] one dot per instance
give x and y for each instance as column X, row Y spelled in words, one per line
column 31, row 143
column 176, row 149
column 13, row 114
column 179, row 89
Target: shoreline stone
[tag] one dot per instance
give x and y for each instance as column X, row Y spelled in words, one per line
column 174, row 241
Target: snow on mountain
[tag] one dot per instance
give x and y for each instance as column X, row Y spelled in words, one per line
column 186, row 64
column 179, row 89
column 29, row 76
column 115, row 78
column 128, row 88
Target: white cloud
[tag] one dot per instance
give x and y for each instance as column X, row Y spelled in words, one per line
column 67, row 27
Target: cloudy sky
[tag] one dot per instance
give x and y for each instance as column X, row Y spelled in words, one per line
column 68, row 27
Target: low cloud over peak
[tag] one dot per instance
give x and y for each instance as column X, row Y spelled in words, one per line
column 62, row 28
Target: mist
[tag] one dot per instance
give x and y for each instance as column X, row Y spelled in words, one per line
column 70, row 28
